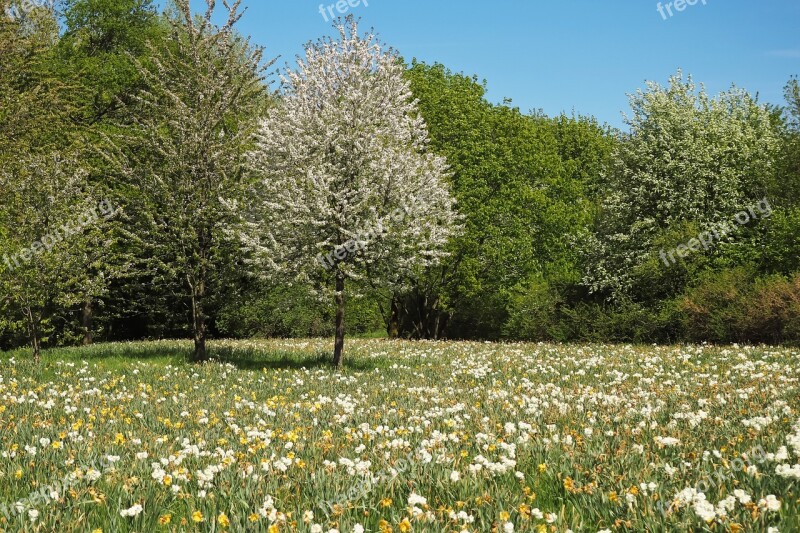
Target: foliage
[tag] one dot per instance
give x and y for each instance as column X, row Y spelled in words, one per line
column 522, row 184
column 183, row 156
column 731, row 306
column 44, row 192
column 688, row 158
column 535, row 228
column 265, row 310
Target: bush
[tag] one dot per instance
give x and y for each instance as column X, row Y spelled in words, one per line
column 712, row 309
column 533, row 314
column 544, row 312
column 773, row 311
column 782, row 241
column 729, row 306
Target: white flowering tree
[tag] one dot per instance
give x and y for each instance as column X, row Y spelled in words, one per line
column 689, row 158
column 349, row 189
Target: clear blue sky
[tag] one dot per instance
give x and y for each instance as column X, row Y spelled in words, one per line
column 565, row 55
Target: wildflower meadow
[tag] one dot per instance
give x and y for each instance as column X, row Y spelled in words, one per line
column 425, row 436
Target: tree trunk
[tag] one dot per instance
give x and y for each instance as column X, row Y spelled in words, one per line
column 37, row 349
column 33, row 334
column 199, row 323
column 394, row 319
column 338, row 346
column 88, row 318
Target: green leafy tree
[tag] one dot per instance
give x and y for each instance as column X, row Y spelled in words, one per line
column 42, row 187
column 522, row 184
column 781, row 242
column 97, row 52
column 184, row 152
column 96, row 57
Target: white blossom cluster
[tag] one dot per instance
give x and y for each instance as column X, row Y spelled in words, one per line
column 345, row 170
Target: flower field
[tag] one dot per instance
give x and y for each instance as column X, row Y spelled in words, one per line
column 424, row 436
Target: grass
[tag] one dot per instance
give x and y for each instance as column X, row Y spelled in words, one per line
column 247, row 355
column 425, row 436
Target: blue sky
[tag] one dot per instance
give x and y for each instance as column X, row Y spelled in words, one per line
column 565, row 55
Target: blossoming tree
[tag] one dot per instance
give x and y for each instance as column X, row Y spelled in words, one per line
column 348, row 190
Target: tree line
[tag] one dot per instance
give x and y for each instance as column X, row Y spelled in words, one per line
column 437, row 213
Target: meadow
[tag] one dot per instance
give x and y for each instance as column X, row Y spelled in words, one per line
column 408, row 436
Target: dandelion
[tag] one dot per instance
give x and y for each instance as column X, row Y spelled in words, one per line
column 197, row 516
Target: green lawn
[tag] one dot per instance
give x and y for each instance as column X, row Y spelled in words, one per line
column 419, row 436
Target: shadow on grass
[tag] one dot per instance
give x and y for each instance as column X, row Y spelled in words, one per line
column 252, row 359
column 119, row 352
column 180, row 353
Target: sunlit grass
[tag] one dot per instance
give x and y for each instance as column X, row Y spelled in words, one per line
column 426, row 436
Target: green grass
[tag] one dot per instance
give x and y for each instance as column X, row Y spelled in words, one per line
column 245, row 355
column 280, row 434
